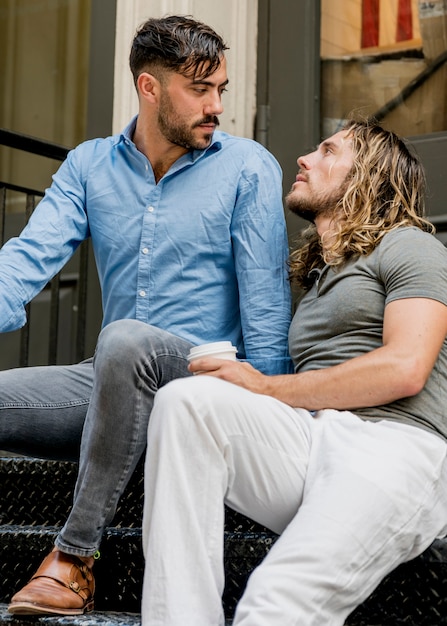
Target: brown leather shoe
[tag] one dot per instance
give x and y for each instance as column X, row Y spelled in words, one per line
column 63, row 585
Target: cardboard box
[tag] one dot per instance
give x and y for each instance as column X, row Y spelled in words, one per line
column 433, row 27
column 366, row 84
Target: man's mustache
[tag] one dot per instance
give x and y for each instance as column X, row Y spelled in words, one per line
column 210, row 119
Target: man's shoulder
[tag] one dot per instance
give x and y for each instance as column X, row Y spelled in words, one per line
column 243, row 147
column 234, row 142
column 411, row 244
column 410, row 235
column 93, row 150
column 98, row 143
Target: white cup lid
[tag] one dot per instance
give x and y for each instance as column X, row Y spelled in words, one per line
column 211, row 348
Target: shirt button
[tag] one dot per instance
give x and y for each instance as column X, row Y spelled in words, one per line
column 142, row 293
column 145, row 250
column 150, row 209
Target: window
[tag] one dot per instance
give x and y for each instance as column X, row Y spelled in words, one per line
column 385, row 59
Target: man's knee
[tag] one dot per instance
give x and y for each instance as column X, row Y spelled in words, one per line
column 177, row 392
column 124, row 339
column 185, row 401
column 130, row 336
column 189, row 391
column 121, row 332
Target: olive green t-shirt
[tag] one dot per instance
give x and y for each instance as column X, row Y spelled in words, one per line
column 341, row 317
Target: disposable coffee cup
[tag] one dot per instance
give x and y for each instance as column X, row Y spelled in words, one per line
column 218, row 350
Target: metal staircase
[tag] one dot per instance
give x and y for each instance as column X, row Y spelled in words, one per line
column 35, row 498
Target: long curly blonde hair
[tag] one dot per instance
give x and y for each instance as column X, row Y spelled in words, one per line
column 385, row 190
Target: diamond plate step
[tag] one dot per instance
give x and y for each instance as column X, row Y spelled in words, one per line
column 413, row 595
column 119, row 571
column 95, row 618
column 108, row 618
column 39, row 493
column 35, row 491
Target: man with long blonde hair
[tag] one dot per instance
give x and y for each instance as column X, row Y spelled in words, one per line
column 383, row 191
column 346, row 459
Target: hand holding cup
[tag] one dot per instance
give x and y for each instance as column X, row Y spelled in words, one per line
column 218, row 350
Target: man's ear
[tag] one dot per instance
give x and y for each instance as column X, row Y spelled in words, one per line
column 148, row 86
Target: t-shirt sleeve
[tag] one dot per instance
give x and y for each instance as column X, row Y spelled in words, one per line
column 413, row 264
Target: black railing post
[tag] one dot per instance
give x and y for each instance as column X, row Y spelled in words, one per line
column 2, row 213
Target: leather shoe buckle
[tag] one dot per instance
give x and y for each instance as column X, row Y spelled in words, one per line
column 74, row 586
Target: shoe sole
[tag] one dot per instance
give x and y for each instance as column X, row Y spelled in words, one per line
column 28, row 608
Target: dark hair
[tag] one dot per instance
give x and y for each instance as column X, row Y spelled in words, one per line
column 177, row 43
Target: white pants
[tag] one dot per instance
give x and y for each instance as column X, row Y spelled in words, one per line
column 351, row 499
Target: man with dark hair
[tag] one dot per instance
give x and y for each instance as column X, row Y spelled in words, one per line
column 354, row 480
column 188, row 231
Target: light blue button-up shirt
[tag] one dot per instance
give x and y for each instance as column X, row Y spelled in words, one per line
column 202, row 254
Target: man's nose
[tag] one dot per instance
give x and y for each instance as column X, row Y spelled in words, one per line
column 303, row 162
column 214, row 105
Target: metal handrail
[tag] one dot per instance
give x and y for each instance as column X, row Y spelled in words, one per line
column 12, row 139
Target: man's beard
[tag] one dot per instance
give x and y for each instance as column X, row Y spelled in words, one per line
column 315, row 205
column 176, row 131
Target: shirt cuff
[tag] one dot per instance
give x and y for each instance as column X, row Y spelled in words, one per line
column 272, row 366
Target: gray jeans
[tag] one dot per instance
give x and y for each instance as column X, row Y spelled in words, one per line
column 98, row 409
